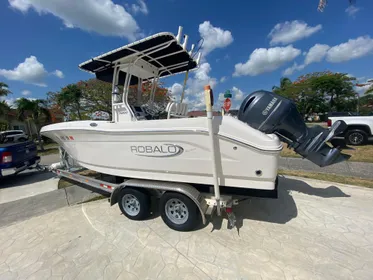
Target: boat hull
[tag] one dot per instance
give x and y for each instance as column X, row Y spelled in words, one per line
column 173, row 150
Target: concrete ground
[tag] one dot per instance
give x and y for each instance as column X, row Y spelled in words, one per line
column 28, row 183
column 315, row 230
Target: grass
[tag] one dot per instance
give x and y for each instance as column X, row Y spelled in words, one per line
column 329, row 177
column 358, row 153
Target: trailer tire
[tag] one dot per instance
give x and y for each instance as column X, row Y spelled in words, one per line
column 134, row 203
column 179, row 212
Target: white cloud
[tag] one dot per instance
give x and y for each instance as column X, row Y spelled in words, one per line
column 59, row 74
column 354, row 48
column 289, row 71
column 362, row 89
column 223, row 79
column 176, row 89
column 9, row 101
column 26, row 92
column 316, row 54
column 100, row 16
column 200, row 78
column 289, row 32
column 213, row 37
column 266, row 60
column 30, row 71
column 352, row 10
column 194, row 92
column 221, row 97
column 238, row 94
column 140, row 7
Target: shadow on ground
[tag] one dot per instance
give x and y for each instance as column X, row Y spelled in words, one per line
column 24, row 178
column 280, row 210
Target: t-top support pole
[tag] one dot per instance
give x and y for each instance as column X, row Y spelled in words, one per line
column 209, row 104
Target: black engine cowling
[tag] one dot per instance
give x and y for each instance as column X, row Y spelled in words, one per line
column 271, row 113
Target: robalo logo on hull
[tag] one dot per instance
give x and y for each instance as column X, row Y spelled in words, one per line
column 162, row 150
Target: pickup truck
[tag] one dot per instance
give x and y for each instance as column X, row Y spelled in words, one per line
column 17, row 156
column 359, row 129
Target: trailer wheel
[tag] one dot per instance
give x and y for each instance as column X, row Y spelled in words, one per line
column 179, row 212
column 134, row 204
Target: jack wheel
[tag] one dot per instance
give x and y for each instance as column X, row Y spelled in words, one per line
column 134, row 204
column 179, row 212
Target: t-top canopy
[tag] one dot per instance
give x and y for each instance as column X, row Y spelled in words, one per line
column 161, row 50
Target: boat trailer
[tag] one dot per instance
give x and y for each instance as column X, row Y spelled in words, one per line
column 181, row 205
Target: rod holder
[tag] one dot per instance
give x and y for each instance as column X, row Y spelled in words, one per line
column 198, row 58
column 179, row 33
column 185, row 42
column 191, row 49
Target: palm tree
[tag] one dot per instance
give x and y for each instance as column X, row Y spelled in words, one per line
column 70, row 96
column 284, row 83
column 4, row 108
column 4, row 89
column 39, row 113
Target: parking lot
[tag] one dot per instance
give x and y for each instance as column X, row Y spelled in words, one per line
column 313, row 231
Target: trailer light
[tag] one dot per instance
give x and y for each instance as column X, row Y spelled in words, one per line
column 228, row 210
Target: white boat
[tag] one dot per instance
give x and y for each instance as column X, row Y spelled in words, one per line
column 178, row 148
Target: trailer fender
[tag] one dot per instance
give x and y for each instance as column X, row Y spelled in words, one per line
column 114, row 195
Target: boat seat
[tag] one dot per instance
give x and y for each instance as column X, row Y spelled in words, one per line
column 177, row 110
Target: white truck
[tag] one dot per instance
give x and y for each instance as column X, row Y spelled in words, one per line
column 359, row 131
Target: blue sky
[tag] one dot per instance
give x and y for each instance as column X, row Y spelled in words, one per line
column 249, row 45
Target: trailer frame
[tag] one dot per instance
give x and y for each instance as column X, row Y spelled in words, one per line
column 205, row 202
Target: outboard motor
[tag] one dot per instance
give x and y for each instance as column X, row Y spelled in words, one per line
column 271, row 113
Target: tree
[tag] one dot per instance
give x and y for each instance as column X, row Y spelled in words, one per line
column 35, row 110
column 336, row 90
column 4, row 89
column 4, row 108
column 320, row 92
column 70, row 99
column 94, row 95
column 284, row 84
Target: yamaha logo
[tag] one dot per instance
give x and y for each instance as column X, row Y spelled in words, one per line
column 162, row 150
column 269, row 106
